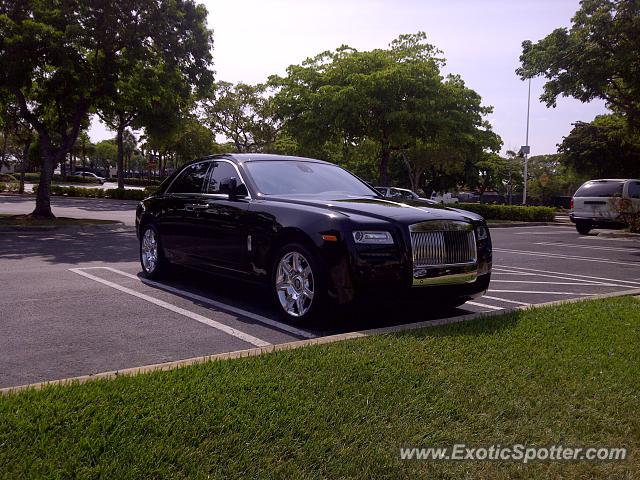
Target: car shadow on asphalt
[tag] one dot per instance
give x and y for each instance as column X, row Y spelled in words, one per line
column 255, row 298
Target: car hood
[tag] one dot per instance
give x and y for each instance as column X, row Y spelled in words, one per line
column 405, row 211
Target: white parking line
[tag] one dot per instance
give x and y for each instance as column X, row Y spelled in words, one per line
column 589, row 247
column 507, row 301
column 220, row 305
column 543, row 293
column 616, row 280
column 585, row 284
column 566, row 257
column 503, row 271
column 584, row 281
column 491, row 307
column 541, row 233
column 181, row 311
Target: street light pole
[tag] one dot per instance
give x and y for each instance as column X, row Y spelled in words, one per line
column 526, row 150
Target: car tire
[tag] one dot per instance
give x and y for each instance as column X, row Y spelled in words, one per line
column 583, row 228
column 152, row 259
column 297, row 283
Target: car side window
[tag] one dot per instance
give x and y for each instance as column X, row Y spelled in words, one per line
column 191, row 179
column 634, row 190
column 406, row 195
column 220, row 171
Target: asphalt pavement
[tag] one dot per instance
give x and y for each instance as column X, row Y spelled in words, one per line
column 73, row 304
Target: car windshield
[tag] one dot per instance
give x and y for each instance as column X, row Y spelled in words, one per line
column 293, row 177
column 600, row 189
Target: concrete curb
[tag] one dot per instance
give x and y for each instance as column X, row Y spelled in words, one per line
column 115, row 227
column 619, row 235
column 254, row 352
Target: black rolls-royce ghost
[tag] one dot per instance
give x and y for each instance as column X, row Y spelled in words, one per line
column 313, row 231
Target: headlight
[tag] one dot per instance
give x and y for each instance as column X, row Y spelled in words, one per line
column 482, row 232
column 371, row 237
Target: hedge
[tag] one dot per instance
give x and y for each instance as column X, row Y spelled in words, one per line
column 510, row 212
column 35, row 177
column 141, row 182
column 117, row 193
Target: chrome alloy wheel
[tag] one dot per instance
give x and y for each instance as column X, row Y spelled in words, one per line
column 295, row 284
column 149, row 250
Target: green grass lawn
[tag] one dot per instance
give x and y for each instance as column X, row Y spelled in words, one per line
column 559, row 375
column 26, row 221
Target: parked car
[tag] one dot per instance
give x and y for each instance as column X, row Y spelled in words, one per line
column 400, row 193
column 92, row 176
column 493, row 198
column 444, row 199
column 468, row 197
column 593, row 204
column 311, row 231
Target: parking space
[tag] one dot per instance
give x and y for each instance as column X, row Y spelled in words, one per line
column 74, row 305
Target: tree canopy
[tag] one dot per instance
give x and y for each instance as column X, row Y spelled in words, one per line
column 61, row 60
column 598, row 57
column 395, row 97
column 242, row 113
column 602, row 148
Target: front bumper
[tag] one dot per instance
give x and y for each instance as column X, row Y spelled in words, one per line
column 391, row 274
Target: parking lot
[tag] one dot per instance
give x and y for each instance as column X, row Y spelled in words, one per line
column 73, row 304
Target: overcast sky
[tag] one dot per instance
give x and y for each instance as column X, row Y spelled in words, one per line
column 481, row 40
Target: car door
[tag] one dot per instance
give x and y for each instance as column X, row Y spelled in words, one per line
column 178, row 221
column 223, row 224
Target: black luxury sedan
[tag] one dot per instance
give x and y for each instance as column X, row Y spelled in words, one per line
column 315, row 233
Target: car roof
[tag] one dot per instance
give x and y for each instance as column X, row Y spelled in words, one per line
column 613, row 180
column 262, row 157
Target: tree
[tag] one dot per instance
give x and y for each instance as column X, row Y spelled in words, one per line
column 62, row 59
column 551, row 176
column 493, row 171
column 193, row 140
column 105, row 155
column 243, row 114
column 598, row 57
column 382, row 95
column 394, row 97
column 514, row 173
column 603, row 148
column 437, row 160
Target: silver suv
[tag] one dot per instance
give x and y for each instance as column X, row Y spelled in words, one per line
column 595, row 203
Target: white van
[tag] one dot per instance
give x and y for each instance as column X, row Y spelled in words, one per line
column 592, row 206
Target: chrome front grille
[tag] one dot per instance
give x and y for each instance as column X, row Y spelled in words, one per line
column 440, row 243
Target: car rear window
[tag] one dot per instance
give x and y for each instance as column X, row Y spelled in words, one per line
column 600, row 189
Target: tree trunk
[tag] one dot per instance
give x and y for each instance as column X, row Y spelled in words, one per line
column 25, row 155
column 384, row 164
column 410, row 172
column 120, row 158
column 43, row 202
